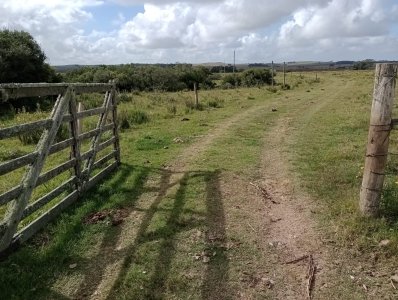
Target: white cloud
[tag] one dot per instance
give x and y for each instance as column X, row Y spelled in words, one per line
column 194, row 31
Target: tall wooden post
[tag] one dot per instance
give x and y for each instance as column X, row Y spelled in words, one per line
column 272, row 73
column 195, row 88
column 284, row 74
column 233, row 71
column 80, row 108
column 378, row 139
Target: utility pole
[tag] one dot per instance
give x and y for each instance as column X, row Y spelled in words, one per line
column 272, row 73
column 284, row 74
column 234, row 63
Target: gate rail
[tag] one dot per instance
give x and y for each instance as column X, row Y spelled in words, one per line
column 19, row 198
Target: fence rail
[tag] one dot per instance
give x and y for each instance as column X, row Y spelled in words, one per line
column 19, row 200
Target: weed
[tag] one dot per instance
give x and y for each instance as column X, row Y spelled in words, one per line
column 128, row 118
column 215, row 103
column 172, row 109
column 124, row 97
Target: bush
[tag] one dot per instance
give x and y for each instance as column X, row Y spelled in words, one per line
column 256, row 77
column 127, row 118
column 215, row 103
column 232, row 80
column 124, row 97
column 172, row 109
column 33, row 137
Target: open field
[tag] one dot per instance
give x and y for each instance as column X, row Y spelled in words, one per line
column 211, row 203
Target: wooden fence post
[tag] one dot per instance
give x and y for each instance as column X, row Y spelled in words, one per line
column 115, row 122
column 378, row 139
column 284, row 74
column 80, row 108
column 76, row 129
column 195, row 88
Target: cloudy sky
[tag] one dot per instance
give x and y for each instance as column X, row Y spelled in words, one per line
column 169, row 31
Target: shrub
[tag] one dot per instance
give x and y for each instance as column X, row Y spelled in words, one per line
column 232, row 80
column 127, row 118
column 256, row 77
column 215, row 103
column 191, row 105
column 124, row 97
column 172, row 109
column 33, row 137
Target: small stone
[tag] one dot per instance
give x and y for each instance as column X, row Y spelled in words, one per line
column 206, row 259
column 384, row 243
column 196, row 257
column 178, row 140
column 72, row 266
column 394, row 278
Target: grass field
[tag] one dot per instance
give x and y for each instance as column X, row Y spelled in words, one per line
column 192, row 224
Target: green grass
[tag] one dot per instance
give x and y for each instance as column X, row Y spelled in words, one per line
column 175, row 216
column 329, row 156
column 42, row 265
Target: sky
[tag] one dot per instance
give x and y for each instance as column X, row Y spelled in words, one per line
column 170, row 31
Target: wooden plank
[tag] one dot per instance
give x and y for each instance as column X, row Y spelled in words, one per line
column 115, row 127
column 378, row 139
column 88, row 134
column 37, row 224
column 49, row 215
column 87, row 154
column 99, row 163
column 100, row 176
column 55, row 171
column 90, row 112
column 18, row 129
column 16, row 208
column 74, row 126
column 31, row 208
column 96, row 140
column 14, row 91
column 94, row 132
column 60, row 146
column 10, row 195
column 101, row 147
column 17, row 163
column 107, row 143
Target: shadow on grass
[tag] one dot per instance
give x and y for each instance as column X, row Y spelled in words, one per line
column 216, row 276
column 39, row 266
column 215, row 285
column 29, row 273
column 389, row 203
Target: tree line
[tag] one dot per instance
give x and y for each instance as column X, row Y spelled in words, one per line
column 22, row 60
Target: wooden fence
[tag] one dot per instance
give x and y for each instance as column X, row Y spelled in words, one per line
column 81, row 166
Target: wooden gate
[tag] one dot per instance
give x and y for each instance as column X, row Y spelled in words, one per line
column 85, row 170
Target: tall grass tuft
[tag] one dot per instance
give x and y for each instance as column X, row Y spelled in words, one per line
column 128, row 118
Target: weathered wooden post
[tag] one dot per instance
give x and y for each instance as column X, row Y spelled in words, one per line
column 80, row 108
column 272, row 73
column 378, row 139
column 284, row 74
column 195, row 88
